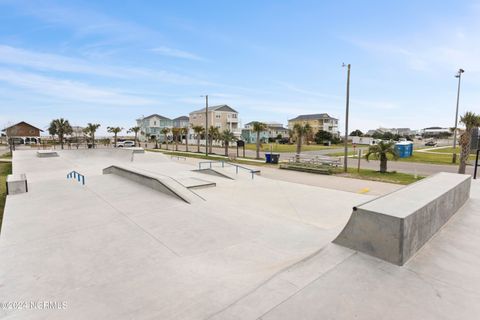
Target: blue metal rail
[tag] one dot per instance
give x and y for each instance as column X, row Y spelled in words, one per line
column 252, row 172
column 78, row 176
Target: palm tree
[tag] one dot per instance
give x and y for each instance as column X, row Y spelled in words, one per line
column 301, row 131
column 184, row 132
column 213, row 134
column 380, row 151
column 227, row 136
column 90, row 129
column 165, row 132
column 60, row 127
column 258, row 127
column 135, row 130
column 176, row 134
column 115, row 131
column 471, row 121
column 198, row 132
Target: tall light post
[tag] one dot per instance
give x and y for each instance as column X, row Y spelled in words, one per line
column 454, row 156
column 345, row 159
column 206, row 124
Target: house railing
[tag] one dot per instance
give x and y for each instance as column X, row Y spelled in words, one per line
column 78, row 176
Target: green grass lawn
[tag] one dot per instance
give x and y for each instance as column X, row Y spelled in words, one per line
column 390, row 177
column 431, row 158
column 341, row 154
column 449, row 150
column 290, row 147
column 5, row 169
column 420, row 157
column 6, row 156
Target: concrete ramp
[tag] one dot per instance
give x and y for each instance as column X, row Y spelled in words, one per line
column 160, row 183
column 394, row 227
column 195, row 183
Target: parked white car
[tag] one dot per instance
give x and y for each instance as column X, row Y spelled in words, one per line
column 126, row 144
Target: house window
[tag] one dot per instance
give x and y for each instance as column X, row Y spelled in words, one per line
column 234, row 115
column 154, row 123
column 217, row 116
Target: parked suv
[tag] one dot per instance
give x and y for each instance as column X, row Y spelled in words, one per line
column 126, row 144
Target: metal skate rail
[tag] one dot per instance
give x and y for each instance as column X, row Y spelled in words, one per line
column 224, row 163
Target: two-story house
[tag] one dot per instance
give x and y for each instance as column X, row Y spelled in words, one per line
column 223, row 117
column 181, row 122
column 319, row 121
column 151, row 127
column 272, row 131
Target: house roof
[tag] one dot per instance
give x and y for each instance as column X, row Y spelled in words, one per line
column 222, row 107
column 155, row 115
column 181, row 118
column 277, row 128
column 312, row 117
column 28, row 124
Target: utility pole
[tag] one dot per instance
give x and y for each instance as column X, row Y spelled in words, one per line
column 454, row 156
column 206, row 125
column 345, row 159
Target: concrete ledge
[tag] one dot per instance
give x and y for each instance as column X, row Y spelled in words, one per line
column 214, row 172
column 163, row 184
column 394, row 227
column 46, row 153
column 136, row 149
column 17, row 184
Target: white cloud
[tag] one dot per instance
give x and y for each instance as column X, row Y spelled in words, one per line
column 69, row 90
column 53, row 62
column 176, row 53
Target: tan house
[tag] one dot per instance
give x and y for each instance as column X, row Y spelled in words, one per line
column 23, row 133
column 319, row 121
column 223, row 117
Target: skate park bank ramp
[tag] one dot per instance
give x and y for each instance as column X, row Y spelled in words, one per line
column 161, row 183
column 394, row 227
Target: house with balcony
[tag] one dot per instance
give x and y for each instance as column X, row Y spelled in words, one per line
column 318, row 121
column 274, row 130
column 222, row 117
column 151, row 127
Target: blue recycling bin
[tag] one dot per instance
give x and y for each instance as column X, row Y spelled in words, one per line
column 268, row 158
column 404, row 149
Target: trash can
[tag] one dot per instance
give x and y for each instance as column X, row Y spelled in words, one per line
column 89, row 145
column 274, row 157
column 268, row 158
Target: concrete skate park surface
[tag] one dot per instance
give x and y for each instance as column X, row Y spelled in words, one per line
column 253, row 248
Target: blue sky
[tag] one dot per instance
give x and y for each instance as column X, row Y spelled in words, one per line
column 111, row 62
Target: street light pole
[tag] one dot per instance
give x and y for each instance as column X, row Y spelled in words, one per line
column 345, row 159
column 454, row 156
column 206, row 125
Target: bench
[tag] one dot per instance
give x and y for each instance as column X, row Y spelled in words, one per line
column 395, row 226
column 319, row 160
